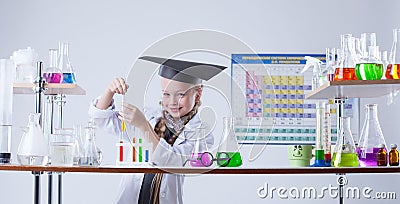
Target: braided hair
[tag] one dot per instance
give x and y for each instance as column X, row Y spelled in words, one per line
column 160, row 129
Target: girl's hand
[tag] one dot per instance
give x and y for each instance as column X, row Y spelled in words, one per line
column 118, row 86
column 132, row 115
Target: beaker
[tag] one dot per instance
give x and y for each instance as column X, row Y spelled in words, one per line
column 6, row 100
column 33, row 148
column 200, row 156
column 228, row 152
column 92, row 155
column 52, row 74
column 64, row 64
column 393, row 68
column 370, row 138
column 346, row 71
column 24, row 60
column 344, row 154
column 62, row 147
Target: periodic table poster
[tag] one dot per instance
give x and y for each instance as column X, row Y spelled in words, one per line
column 268, row 100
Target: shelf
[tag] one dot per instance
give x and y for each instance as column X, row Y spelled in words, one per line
column 189, row 170
column 355, row 89
column 52, row 89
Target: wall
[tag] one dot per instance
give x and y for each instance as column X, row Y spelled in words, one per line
column 107, row 37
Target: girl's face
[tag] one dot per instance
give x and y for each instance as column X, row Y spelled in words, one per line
column 178, row 98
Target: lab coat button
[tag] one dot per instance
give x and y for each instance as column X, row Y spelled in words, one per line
column 163, row 194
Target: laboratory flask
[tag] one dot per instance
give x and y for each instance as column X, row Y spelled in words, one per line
column 62, row 146
column 92, row 155
column 228, row 152
column 64, row 64
column 6, row 100
column 371, row 137
column 344, row 154
column 369, row 65
column 393, row 68
column 33, row 148
column 200, row 156
column 346, row 71
column 52, row 74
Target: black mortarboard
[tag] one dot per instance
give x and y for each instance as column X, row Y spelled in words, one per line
column 185, row 71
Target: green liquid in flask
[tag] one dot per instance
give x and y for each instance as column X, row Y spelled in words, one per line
column 369, row 71
column 345, row 160
column 224, row 161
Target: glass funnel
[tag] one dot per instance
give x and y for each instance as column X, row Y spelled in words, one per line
column 393, row 68
column 33, row 148
column 371, row 137
column 344, row 154
column 228, row 152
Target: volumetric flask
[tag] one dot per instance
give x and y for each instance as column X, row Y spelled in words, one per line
column 33, row 148
column 345, row 154
column 200, row 156
column 228, row 152
column 371, row 137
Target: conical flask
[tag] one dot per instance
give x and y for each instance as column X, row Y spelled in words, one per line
column 345, row 154
column 52, row 74
column 33, row 148
column 371, row 137
column 65, row 65
column 393, row 68
column 92, row 155
column 200, row 156
column 228, row 154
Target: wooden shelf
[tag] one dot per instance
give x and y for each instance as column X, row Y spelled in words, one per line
column 52, row 89
column 355, row 89
column 150, row 169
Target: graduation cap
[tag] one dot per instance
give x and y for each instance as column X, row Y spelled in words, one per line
column 185, row 71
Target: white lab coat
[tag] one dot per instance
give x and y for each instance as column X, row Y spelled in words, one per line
column 171, row 190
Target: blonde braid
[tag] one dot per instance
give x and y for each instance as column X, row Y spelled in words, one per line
column 160, row 128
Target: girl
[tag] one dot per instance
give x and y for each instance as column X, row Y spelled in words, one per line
column 171, row 129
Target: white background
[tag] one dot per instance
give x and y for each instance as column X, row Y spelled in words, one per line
column 106, row 38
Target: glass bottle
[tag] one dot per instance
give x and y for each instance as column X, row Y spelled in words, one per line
column 200, row 156
column 371, row 136
column 393, row 68
column 381, row 156
column 53, row 74
column 65, row 65
column 393, row 155
column 7, row 70
column 92, row 155
column 33, row 148
column 228, row 154
column 344, row 154
column 346, row 69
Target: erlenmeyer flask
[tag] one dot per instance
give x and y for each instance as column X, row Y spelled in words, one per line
column 200, row 156
column 53, row 74
column 92, row 155
column 371, row 137
column 228, row 152
column 345, row 154
column 393, row 68
column 65, row 65
column 346, row 69
column 33, row 148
